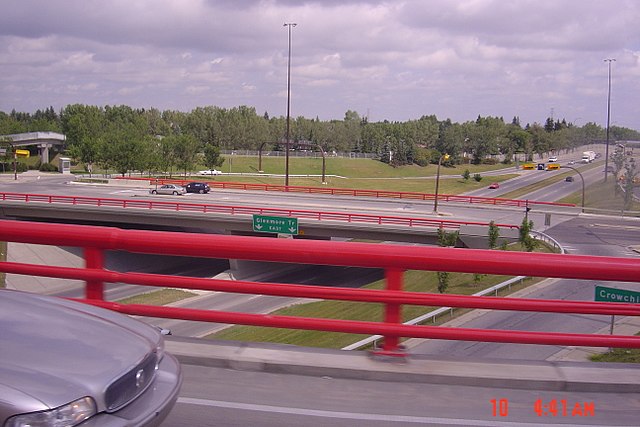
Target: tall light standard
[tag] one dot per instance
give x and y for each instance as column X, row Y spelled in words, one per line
column 606, row 150
column 435, row 202
column 286, row 156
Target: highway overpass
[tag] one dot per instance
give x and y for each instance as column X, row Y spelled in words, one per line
column 43, row 140
column 446, row 391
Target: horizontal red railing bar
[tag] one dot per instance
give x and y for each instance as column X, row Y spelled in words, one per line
column 305, row 251
column 354, row 192
column 373, row 328
column 245, row 210
column 393, row 259
column 325, row 292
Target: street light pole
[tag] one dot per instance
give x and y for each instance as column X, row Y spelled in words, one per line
column 286, row 156
column 435, row 201
column 606, row 153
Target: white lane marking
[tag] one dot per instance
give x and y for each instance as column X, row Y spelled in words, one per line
column 125, row 191
column 361, row 416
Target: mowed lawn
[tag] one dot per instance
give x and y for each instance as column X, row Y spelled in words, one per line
column 365, row 174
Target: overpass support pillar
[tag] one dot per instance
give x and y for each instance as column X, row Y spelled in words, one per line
column 44, row 152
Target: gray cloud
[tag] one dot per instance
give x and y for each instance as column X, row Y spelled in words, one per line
column 391, row 60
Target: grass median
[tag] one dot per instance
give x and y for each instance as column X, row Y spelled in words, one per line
column 158, row 297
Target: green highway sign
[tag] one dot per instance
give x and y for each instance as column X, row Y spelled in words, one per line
column 275, row 224
column 604, row 294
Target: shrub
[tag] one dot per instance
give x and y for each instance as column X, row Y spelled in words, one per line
column 48, row 167
column 477, row 177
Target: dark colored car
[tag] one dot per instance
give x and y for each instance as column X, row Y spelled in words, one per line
column 197, row 187
column 64, row 363
column 569, row 179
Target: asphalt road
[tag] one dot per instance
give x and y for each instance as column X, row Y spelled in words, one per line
column 223, row 397
column 601, row 236
column 214, row 396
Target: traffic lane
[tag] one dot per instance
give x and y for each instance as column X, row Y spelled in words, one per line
column 222, row 301
column 396, row 207
column 566, row 289
column 219, row 301
column 561, row 189
column 600, row 236
column 525, row 178
column 217, row 396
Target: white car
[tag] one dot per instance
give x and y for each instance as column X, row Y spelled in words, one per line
column 210, row 172
column 553, row 159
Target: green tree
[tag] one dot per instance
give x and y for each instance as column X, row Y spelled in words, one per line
column 186, row 149
column 525, row 238
column 85, row 130
column 618, row 158
column 445, row 239
column 494, row 235
column 165, row 154
column 630, row 174
column 212, row 158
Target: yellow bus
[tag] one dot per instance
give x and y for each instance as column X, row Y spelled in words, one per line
column 23, row 153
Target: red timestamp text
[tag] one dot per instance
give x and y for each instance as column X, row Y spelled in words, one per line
column 548, row 408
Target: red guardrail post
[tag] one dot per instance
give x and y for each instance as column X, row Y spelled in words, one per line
column 392, row 315
column 94, row 258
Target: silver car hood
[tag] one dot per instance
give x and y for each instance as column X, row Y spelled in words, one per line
column 109, row 345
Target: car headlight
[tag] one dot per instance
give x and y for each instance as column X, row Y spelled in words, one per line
column 67, row 415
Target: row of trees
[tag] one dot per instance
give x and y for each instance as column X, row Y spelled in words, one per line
column 124, row 139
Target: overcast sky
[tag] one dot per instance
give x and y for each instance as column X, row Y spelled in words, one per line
column 394, row 60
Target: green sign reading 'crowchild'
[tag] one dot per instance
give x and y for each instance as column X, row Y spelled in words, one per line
column 604, row 294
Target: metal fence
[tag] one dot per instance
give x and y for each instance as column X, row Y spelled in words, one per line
column 393, row 259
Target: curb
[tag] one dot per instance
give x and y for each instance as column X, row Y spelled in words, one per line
column 527, row 375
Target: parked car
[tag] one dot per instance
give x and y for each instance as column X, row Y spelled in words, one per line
column 210, row 172
column 169, row 189
column 197, row 187
column 569, row 179
column 494, row 185
column 63, row 363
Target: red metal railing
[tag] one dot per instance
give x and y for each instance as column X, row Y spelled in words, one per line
column 395, row 260
column 137, row 203
column 380, row 194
